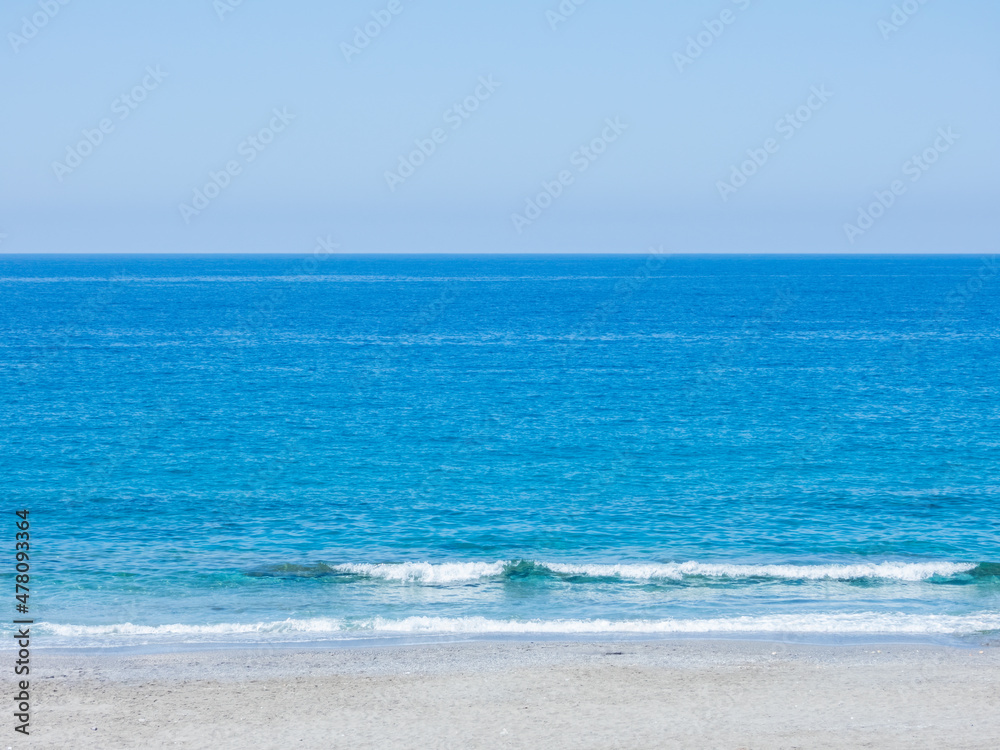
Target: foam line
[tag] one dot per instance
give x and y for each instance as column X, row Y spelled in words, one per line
column 809, row 622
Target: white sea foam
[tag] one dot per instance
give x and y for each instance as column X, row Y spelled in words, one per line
column 852, row 623
column 424, row 572
column 898, row 571
column 873, row 623
column 316, row 625
column 452, row 572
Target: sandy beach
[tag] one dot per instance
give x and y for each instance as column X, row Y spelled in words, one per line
column 687, row 694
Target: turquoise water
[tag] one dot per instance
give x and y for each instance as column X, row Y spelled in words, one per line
column 273, row 449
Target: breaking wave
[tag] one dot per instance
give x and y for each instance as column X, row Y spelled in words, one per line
column 459, row 572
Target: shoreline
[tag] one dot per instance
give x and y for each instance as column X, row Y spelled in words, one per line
column 558, row 694
column 833, row 641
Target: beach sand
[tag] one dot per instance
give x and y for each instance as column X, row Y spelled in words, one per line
column 683, row 694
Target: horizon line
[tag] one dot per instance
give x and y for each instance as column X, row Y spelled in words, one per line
column 720, row 253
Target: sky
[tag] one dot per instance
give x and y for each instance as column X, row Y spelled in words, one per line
column 500, row 126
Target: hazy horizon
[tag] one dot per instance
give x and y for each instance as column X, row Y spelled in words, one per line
column 730, row 126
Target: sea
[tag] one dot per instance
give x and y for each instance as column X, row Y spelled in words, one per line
column 334, row 449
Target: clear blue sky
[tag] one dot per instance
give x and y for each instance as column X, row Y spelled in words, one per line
column 683, row 125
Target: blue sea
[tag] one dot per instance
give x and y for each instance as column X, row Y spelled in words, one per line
column 309, row 449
